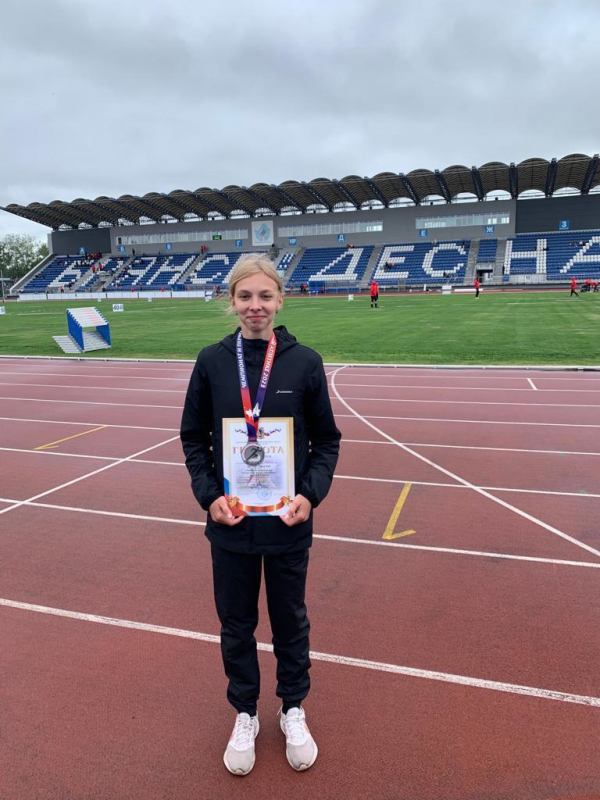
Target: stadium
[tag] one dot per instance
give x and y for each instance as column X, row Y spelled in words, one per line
column 530, row 224
column 460, row 535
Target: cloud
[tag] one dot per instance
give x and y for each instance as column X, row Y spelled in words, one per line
column 106, row 97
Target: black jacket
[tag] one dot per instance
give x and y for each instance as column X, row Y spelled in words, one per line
column 297, row 388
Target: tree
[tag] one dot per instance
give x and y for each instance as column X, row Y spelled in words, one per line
column 19, row 253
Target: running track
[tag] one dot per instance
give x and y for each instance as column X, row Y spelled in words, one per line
column 459, row 661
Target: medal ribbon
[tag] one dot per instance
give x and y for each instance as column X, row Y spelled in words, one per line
column 252, row 415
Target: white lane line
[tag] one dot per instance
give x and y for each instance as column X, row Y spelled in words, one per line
column 455, row 477
column 88, row 403
column 120, row 364
column 348, row 661
column 376, row 373
column 473, row 421
column 419, row 401
column 338, row 416
column 466, row 485
column 101, row 512
column 87, row 475
column 456, row 551
column 65, row 422
column 56, row 453
column 497, row 449
column 26, row 374
column 93, row 388
column 454, row 388
column 326, row 537
column 363, row 399
column 364, row 478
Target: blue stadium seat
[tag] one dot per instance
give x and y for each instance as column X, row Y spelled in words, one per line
column 323, row 266
column 559, row 256
column 61, row 271
column 422, row 262
column 487, row 251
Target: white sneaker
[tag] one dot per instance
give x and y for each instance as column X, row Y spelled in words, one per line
column 239, row 756
column 301, row 749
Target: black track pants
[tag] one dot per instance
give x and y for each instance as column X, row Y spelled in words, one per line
column 237, row 579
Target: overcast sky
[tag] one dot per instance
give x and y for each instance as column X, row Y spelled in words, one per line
column 111, row 97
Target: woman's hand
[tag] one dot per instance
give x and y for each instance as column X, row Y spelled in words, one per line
column 220, row 512
column 298, row 511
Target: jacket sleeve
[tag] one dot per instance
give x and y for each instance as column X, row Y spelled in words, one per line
column 196, row 437
column 324, row 438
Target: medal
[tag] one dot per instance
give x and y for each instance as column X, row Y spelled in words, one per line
column 252, row 453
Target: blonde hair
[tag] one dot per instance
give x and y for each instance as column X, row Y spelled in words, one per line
column 251, row 264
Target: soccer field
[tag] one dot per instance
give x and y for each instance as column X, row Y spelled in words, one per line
column 501, row 328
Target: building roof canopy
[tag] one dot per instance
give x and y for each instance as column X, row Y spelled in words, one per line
column 576, row 171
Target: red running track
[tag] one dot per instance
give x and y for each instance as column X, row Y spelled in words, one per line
column 487, row 615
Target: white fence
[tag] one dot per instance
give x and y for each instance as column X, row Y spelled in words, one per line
column 113, row 295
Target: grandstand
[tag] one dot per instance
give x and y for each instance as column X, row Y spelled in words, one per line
column 535, row 223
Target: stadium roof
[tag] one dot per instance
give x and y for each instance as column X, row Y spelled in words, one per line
column 576, row 171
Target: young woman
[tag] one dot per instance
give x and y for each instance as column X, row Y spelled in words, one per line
column 260, row 372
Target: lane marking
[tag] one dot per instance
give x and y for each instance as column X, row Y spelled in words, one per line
column 92, row 388
column 24, row 373
column 462, row 552
column 63, row 422
column 68, row 438
column 480, row 491
column 376, row 373
column 388, row 533
column 87, row 475
column 364, row 399
column 86, row 402
column 57, row 453
column 101, row 512
column 471, row 402
column 479, row 421
column 365, row 478
column 373, row 385
column 534, row 387
column 348, row 661
column 326, row 537
column 398, row 535
column 341, row 416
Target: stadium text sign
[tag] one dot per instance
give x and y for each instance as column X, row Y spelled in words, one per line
column 118, row 307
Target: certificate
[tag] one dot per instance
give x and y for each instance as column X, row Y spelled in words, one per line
column 267, row 488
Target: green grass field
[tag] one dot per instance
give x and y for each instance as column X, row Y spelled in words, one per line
column 502, row 328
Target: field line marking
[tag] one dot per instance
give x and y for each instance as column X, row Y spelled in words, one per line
column 58, row 453
column 99, row 388
column 374, row 385
column 331, row 658
column 470, row 402
column 480, row 491
column 534, row 387
column 68, row 438
column 460, row 551
column 87, row 475
column 341, row 416
column 479, row 421
column 64, row 422
column 389, row 528
column 101, row 512
column 327, row 537
column 365, row 478
column 86, row 402
column 453, row 377
column 89, row 375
